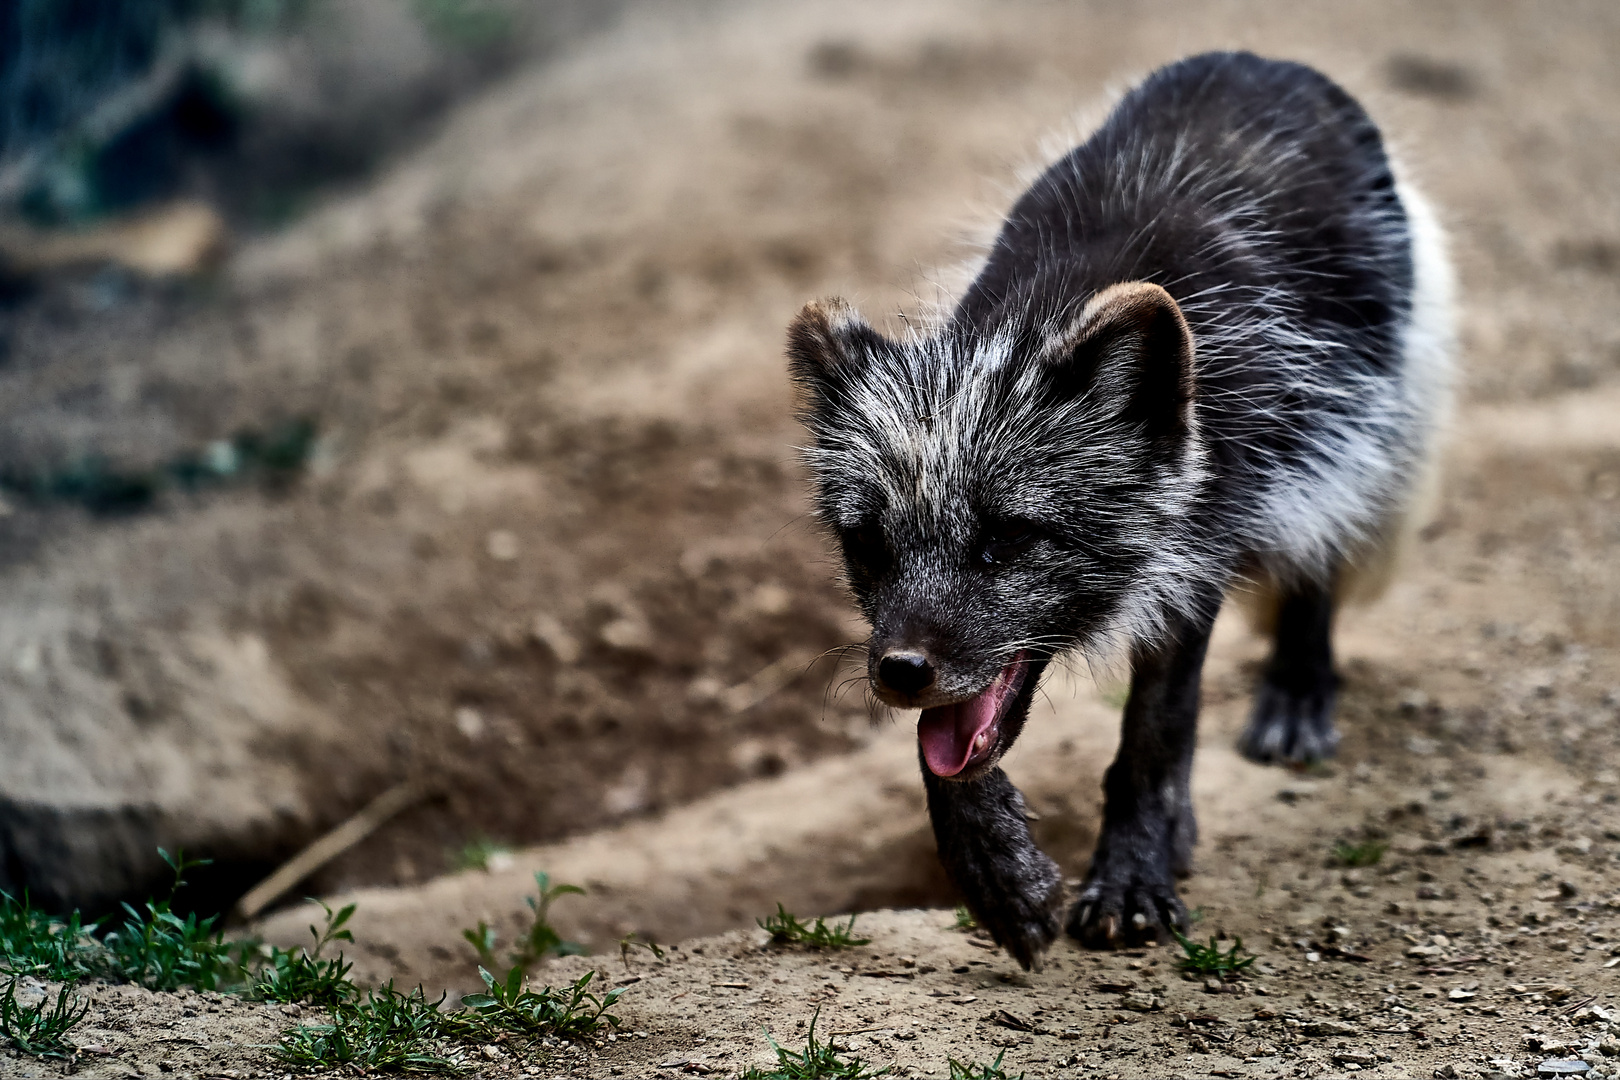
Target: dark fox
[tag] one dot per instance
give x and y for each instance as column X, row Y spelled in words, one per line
column 1208, row 352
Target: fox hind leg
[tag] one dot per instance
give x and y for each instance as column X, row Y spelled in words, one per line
column 1292, row 718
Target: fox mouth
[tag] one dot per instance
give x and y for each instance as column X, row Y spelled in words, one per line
column 967, row 735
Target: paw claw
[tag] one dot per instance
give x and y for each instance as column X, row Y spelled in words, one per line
column 1137, row 912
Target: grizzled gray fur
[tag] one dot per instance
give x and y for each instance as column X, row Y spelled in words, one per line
column 1208, row 351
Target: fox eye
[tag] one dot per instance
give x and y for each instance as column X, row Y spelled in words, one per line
column 1006, row 539
column 864, row 546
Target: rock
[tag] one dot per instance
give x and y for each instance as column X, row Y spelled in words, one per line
column 1329, row 1028
column 1562, row 1067
column 1352, row 1057
column 549, row 631
column 1141, row 1001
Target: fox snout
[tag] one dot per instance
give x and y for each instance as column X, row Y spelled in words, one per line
column 899, row 675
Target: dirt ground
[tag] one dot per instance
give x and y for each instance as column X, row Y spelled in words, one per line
column 551, row 559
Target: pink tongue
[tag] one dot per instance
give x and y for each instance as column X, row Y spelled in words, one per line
column 947, row 732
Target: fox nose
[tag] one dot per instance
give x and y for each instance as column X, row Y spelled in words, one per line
column 906, row 672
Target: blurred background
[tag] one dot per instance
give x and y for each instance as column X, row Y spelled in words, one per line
column 391, row 400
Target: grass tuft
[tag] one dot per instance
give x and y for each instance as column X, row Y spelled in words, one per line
column 963, row 1070
column 301, row 975
column 1366, row 853
column 160, row 950
column 510, row 1007
column 33, row 943
column 786, row 928
column 1210, row 960
column 817, row 1061
column 40, row 1030
column 965, row 922
column 386, row 1029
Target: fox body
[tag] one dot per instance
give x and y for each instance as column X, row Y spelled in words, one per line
column 1208, row 350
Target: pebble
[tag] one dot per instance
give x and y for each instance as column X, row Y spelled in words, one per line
column 1562, row 1067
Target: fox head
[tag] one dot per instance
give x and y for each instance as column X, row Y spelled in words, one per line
column 1000, row 497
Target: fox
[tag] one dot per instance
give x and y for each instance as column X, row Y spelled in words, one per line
column 1207, row 354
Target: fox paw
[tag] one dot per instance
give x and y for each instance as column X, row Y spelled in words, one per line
column 1290, row 727
column 1121, row 905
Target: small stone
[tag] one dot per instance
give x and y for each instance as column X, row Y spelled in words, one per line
column 502, row 545
column 1562, row 1067
column 549, row 631
column 1460, row 994
column 1137, row 1001
column 1330, row 1028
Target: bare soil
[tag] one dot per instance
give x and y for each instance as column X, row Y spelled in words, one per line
column 552, row 558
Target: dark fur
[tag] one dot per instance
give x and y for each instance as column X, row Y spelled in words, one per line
column 1188, row 360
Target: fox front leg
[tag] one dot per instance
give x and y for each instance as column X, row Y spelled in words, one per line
column 1012, row 887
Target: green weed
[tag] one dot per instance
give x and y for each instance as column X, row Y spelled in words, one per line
column 301, row 975
column 1366, row 853
column 963, row 1070
column 965, row 921
column 541, row 940
column 512, row 1007
column 632, row 941
column 33, row 943
column 1210, row 960
column 386, row 1029
column 817, row 1061
column 786, row 928
column 40, row 1029
column 160, row 950
column 477, row 853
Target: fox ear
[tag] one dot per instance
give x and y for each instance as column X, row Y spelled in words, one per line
column 828, row 342
column 1132, row 350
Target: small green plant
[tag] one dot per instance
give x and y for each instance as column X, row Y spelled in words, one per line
column 963, row 1070
column 33, row 943
column 1210, row 960
column 632, row 941
column 301, row 975
column 817, row 1061
column 512, row 1007
column 40, row 1030
column 384, row 1030
column 160, row 950
column 786, row 928
column 478, row 853
column 541, row 940
column 1366, row 853
column 965, row 922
